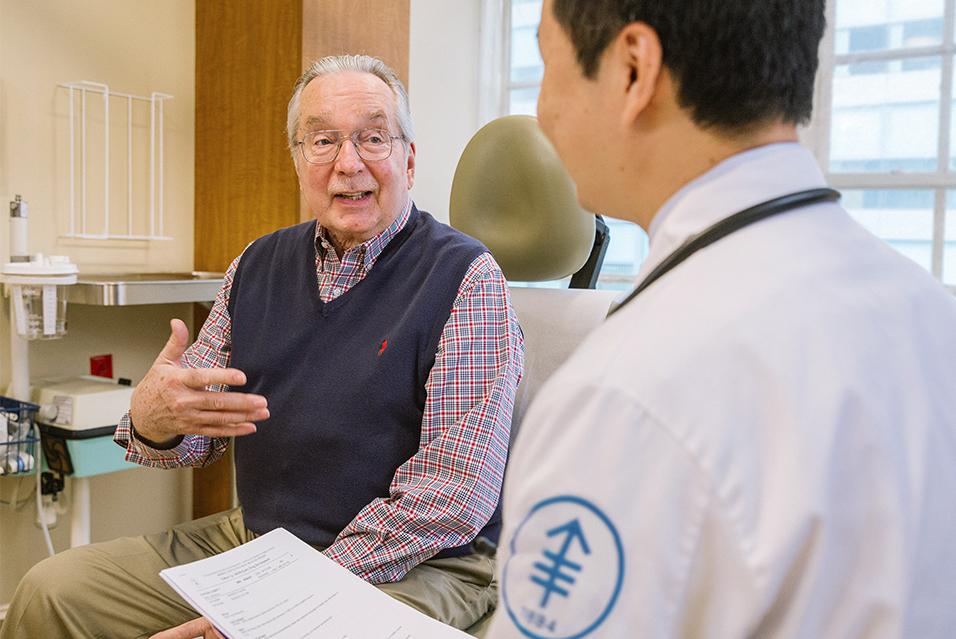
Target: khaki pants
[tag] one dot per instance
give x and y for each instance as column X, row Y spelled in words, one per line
column 112, row 590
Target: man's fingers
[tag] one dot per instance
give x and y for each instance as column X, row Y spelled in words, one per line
column 201, row 377
column 238, row 429
column 189, row 630
column 219, row 418
column 227, row 402
column 176, row 344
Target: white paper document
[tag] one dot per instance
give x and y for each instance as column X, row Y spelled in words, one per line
column 279, row 587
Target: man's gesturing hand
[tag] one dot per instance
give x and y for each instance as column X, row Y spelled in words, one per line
column 173, row 401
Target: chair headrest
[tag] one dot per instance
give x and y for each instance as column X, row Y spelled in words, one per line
column 512, row 193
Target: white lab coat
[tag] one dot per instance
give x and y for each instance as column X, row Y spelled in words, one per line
column 762, row 444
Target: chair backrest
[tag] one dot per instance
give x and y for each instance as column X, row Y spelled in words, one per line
column 554, row 322
column 511, row 192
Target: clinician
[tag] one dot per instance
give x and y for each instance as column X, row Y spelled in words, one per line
column 763, row 441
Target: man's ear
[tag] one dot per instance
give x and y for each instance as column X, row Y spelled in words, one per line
column 410, row 164
column 637, row 52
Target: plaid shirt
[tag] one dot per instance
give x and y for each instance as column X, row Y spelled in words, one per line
column 444, row 494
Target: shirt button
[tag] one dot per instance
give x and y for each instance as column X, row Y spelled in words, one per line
column 336, row 291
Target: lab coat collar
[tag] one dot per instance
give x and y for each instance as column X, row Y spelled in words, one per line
column 737, row 183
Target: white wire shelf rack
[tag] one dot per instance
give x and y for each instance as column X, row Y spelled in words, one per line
column 144, row 220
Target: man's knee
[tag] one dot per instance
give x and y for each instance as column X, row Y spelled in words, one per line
column 101, row 590
column 52, row 578
column 48, row 592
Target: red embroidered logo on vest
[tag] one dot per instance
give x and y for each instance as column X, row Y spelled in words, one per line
column 381, row 349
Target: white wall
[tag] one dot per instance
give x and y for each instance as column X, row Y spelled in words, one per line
column 135, row 46
column 443, row 91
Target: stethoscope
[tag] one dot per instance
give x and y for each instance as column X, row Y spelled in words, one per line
column 730, row 225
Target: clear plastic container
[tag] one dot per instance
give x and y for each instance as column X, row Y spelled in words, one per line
column 38, row 294
column 44, row 312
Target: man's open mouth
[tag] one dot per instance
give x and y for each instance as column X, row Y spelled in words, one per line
column 354, row 195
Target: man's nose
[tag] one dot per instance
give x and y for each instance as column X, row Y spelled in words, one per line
column 348, row 160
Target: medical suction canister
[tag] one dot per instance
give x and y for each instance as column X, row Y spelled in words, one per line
column 35, row 283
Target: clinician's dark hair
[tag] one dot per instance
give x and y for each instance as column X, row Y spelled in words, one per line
column 738, row 64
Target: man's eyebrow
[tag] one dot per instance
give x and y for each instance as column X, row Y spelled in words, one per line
column 315, row 122
column 378, row 118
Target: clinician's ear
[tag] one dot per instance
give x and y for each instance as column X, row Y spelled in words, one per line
column 637, row 53
column 410, row 164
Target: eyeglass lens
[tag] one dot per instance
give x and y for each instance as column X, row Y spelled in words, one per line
column 323, row 146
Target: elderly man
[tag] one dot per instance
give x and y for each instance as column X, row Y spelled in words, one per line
column 371, row 360
column 760, row 441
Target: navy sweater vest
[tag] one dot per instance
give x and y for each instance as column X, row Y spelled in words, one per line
column 345, row 379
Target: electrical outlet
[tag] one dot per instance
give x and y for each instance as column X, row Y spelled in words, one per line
column 51, row 484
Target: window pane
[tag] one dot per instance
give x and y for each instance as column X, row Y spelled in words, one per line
column 886, row 116
column 523, row 101
column 880, row 25
column 625, row 254
column 903, row 218
column 526, row 64
column 949, row 240
column 952, row 130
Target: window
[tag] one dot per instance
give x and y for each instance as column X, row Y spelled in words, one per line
column 882, row 127
column 884, row 123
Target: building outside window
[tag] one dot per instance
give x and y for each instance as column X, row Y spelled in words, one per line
column 882, row 129
column 884, row 124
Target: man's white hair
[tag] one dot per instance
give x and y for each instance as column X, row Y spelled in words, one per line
column 344, row 63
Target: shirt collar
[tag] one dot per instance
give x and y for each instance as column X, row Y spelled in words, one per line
column 368, row 251
column 739, row 182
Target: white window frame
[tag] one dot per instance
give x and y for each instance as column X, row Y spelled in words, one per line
column 817, row 135
column 494, row 59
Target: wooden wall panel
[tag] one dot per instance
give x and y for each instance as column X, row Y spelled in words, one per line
column 372, row 27
column 249, row 54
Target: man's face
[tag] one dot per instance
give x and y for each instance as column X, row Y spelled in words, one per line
column 352, row 198
column 571, row 112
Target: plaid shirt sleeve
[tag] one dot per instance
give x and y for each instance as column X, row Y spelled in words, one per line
column 447, row 491
column 212, row 349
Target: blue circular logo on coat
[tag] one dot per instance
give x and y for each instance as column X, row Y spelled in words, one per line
column 565, row 569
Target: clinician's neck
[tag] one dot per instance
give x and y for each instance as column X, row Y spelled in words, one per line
column 684, row 152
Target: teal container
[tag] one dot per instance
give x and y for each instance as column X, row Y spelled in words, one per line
column 82, row 453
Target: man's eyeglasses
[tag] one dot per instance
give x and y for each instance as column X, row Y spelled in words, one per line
column 322, row 147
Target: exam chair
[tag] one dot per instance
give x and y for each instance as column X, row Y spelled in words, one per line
column 512, row 193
